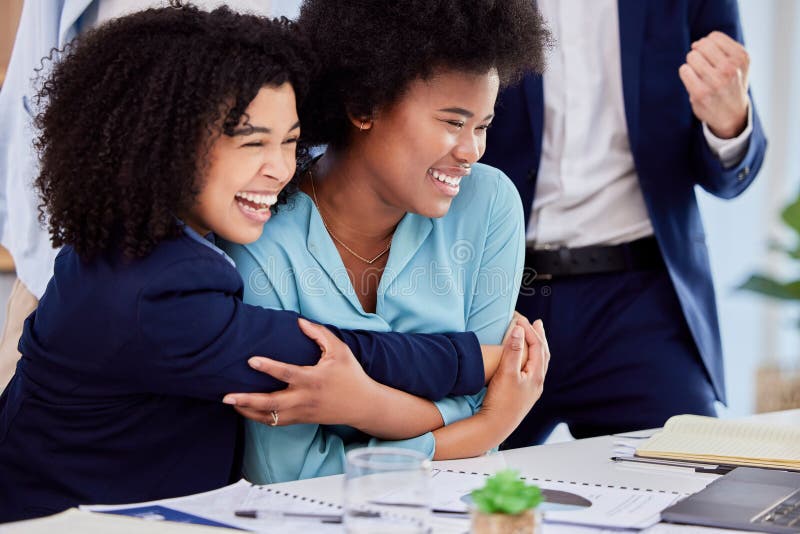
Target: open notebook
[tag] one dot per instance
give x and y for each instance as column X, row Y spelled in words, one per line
column 710, row 440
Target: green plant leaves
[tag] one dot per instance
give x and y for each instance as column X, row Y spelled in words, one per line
column 506, row 493
column 778, row 247
column 791, row 215
column 772, row 288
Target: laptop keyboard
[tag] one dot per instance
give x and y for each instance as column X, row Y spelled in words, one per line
column 786, row 513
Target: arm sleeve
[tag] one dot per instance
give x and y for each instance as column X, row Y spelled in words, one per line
column 426, row 365
column 730, row 151
column 713, row 176
column 498, row 281
column 200, row 335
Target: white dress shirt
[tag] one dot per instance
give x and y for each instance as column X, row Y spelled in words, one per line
column 110, row 9
column 588, row 192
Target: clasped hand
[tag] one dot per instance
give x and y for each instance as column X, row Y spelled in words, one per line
column 519, row 380
column 715, row 76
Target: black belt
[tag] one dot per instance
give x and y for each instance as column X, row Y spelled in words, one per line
column 640, row 255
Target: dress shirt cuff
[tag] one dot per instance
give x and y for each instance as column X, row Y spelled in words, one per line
column 730, row 151
column 471, row 376
column 455, row 409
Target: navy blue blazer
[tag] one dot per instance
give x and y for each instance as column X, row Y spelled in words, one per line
column 669, row 150
column 117, row 397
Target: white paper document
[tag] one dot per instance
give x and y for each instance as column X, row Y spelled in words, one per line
column 569, row 507
column 216, row 508
column 575, row 504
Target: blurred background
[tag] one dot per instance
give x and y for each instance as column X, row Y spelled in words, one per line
column 761, row 338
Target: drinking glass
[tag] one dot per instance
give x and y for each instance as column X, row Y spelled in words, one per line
column 387, row 490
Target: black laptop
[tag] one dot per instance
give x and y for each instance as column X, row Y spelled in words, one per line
column 764, row 500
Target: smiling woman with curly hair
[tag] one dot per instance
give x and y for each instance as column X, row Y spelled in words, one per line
column 160, row 131
column 396, row 226
column 125, row 128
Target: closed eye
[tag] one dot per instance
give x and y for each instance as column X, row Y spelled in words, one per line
column 253, row 144
column 454, row 123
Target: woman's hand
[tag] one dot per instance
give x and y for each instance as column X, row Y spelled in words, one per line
column 513, row 390
column 334, row 391
column 519, row 380
column 493, row 353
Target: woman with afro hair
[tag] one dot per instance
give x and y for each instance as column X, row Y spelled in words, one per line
column 159, row 131
column 397, row 227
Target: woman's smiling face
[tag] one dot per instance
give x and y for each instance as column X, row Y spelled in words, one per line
column 248, row 169
column 420, row 147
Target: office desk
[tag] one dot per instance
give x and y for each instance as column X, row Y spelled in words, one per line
column 582, row 461
column 585, row 460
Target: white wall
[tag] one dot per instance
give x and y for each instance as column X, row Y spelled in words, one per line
column 754, row 330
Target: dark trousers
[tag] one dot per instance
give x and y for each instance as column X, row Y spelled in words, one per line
column 622, row 356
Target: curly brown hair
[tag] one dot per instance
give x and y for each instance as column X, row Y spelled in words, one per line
column 131, row 109
column 369, row 51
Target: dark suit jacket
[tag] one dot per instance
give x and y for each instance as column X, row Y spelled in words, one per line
column 124, row 364
column 669, row 150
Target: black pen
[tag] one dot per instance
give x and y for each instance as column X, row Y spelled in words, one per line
column 450, row 513
column 438, row 511
column 698, row 467
column 262, row 514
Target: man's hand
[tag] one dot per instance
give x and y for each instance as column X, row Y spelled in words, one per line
column 326, row 393
column 715, row 75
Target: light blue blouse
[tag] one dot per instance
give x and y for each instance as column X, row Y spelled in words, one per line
column 458, row 273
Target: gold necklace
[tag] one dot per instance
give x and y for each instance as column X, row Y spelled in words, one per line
column 348, row 249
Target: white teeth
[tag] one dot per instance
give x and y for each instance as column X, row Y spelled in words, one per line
column 247, row 208
column 442, row 177
column 264, row 201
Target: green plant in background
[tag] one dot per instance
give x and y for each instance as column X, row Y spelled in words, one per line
column 506, row 493
column 773, row 288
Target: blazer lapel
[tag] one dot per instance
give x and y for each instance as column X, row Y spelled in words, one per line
column 631, row 37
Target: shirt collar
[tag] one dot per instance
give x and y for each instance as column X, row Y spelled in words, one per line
column 208, row 240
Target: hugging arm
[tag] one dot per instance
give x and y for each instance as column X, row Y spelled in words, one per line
column 202, row 334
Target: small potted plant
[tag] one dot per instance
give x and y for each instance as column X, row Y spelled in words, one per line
column 506, row 505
